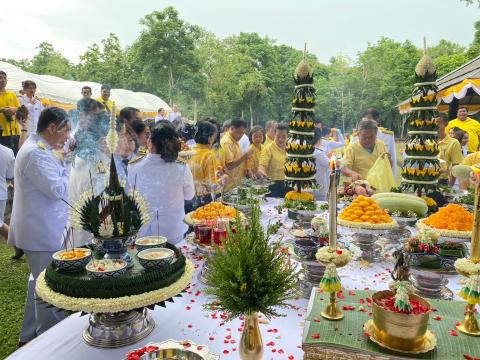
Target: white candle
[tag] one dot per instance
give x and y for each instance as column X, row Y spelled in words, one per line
column 332, row 205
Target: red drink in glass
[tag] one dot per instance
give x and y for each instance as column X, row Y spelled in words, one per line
column 205, row 235
column 219, row 235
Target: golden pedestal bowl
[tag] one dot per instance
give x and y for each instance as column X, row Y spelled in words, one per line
column 401, row 332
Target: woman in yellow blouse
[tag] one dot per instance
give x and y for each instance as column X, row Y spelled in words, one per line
column 204, row 164
column 272, row 161
column 256, row 137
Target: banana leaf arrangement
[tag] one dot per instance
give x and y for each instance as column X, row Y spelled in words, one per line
column 421, row 175
column 300, row 163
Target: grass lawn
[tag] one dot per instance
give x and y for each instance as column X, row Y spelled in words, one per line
column 13, row 290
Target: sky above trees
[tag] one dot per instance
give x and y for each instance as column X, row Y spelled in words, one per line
column 329, row 27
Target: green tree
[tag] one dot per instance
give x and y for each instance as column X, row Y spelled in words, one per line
column 50, row 62
column 106, row 64
column 23, row 64
column 388, row 70
column 164, row 56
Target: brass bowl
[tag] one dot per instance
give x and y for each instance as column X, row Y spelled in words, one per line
column 400, row 331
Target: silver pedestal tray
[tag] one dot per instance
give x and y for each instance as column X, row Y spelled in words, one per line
column 115, row 248
column 312, row 274
column 430, row 284
column 119, row 329
column 366, row 240
column 201, row 251
column 174, row 349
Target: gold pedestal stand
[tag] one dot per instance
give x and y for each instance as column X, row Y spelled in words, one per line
column 469, row 267
column 469, row 325
column 332, row 310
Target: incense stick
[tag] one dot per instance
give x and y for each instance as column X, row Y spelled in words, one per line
column 91, row 183
column 158, row 228
column 66, row 202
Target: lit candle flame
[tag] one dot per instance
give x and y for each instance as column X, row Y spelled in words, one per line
column 333, row 162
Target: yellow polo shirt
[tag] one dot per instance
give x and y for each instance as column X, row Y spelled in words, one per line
column 472, row 127
column 230, row 151
column 108, row 104
column 360, row 160
column 254, row 160
column 472, row 159
column 450, row 152
column 9, row 99
column 272, row 159
column 267, row 140
column 203, row 166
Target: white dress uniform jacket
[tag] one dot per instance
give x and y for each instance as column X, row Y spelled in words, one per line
column 34, row 111
column 165, row 186
column 39, row 215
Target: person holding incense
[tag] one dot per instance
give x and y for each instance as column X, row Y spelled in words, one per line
column 40, row 213
column 164, row 182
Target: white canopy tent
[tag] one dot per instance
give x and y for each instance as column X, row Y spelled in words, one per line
column 67, row 92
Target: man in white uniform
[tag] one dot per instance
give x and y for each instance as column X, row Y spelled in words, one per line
column 39, row 215
column 7, row 163
column 387, row 136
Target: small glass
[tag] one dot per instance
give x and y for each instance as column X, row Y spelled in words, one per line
column 219, row 235
column 205, row 234
column 196, row 227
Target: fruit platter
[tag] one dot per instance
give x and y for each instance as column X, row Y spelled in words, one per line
column 211, row 212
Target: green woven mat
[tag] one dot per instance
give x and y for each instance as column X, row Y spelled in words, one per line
column 349, row 332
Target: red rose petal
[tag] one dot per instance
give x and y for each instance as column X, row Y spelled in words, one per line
column 361, row 301
column 453, row 332
column 339, row 252
column 189, row 326
column 351, row 293
column 211, row 338
column 186, row 345
column 340, row 295
column 271, row 343
column 316, row 336
column 438, row 318
column 291, row 357
column 367, row 334
column 226, row 352
column 188, row 308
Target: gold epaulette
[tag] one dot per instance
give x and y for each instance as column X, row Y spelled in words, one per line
column 142, row 150
column 137, row 159
column 386, row 131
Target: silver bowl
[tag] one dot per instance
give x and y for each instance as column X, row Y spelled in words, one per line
column 95, row 273
column 72, row 265
column 156, row 263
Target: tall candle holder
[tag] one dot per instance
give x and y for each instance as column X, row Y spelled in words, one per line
column 470, row 268
column 332, row 256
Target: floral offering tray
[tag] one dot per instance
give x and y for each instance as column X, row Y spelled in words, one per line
column 136, row 280
column 348, row 336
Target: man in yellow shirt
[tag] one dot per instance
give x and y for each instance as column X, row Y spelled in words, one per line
column 270, row 128
column 360, row 156
column 272, row 161
column 450, row 151
column 469, row 125
column 8, row 106
column 231, row 157
column 105, row 97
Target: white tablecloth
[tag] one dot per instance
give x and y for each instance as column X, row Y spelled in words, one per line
column 186, row 318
